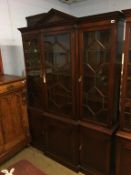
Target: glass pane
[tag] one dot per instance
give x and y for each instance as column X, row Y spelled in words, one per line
column 129, row 71
column 33, row 67
column 127, row 115
column 96, row 75
column 129, row 58
column 32, row 56
column 58, row 73
column 128, row 121
column 35, row 97
column 128, row 88
column 130, row 40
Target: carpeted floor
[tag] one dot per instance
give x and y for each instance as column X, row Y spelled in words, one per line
column 22, row 167
column 42, row 162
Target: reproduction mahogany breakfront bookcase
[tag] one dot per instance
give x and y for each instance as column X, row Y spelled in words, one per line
column 73, row 70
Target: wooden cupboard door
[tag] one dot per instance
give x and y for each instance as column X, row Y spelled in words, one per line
column 123, row 157
column 62, row 142
column 34, row 69
column 13, row 121
column 36, row 122
column 96, row 69
column 59, row 73
column 95, row 152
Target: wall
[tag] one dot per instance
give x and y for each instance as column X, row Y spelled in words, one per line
column 12, row 16
column 90, row 7
column 13, row 13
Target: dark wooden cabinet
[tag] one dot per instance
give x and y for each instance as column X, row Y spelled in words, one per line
column 123, row 143
column 73, row 70
column 14, row 127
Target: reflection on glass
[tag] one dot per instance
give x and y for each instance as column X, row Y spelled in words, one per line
column 32, row 57
column 58, row 73
column 95, row 77
column 32, row 60
column 128, row 120
column 128, row 88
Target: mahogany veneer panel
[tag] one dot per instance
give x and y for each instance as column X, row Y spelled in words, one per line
column 123, row 153
column 96, row 151
column 14, row 129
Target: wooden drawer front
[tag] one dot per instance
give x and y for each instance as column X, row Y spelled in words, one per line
column 123, row 160
column 12, row 86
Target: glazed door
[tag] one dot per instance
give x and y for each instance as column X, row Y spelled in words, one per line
column 59, row 73
column 126, row 84
column 31, row 44
column 96, row 70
